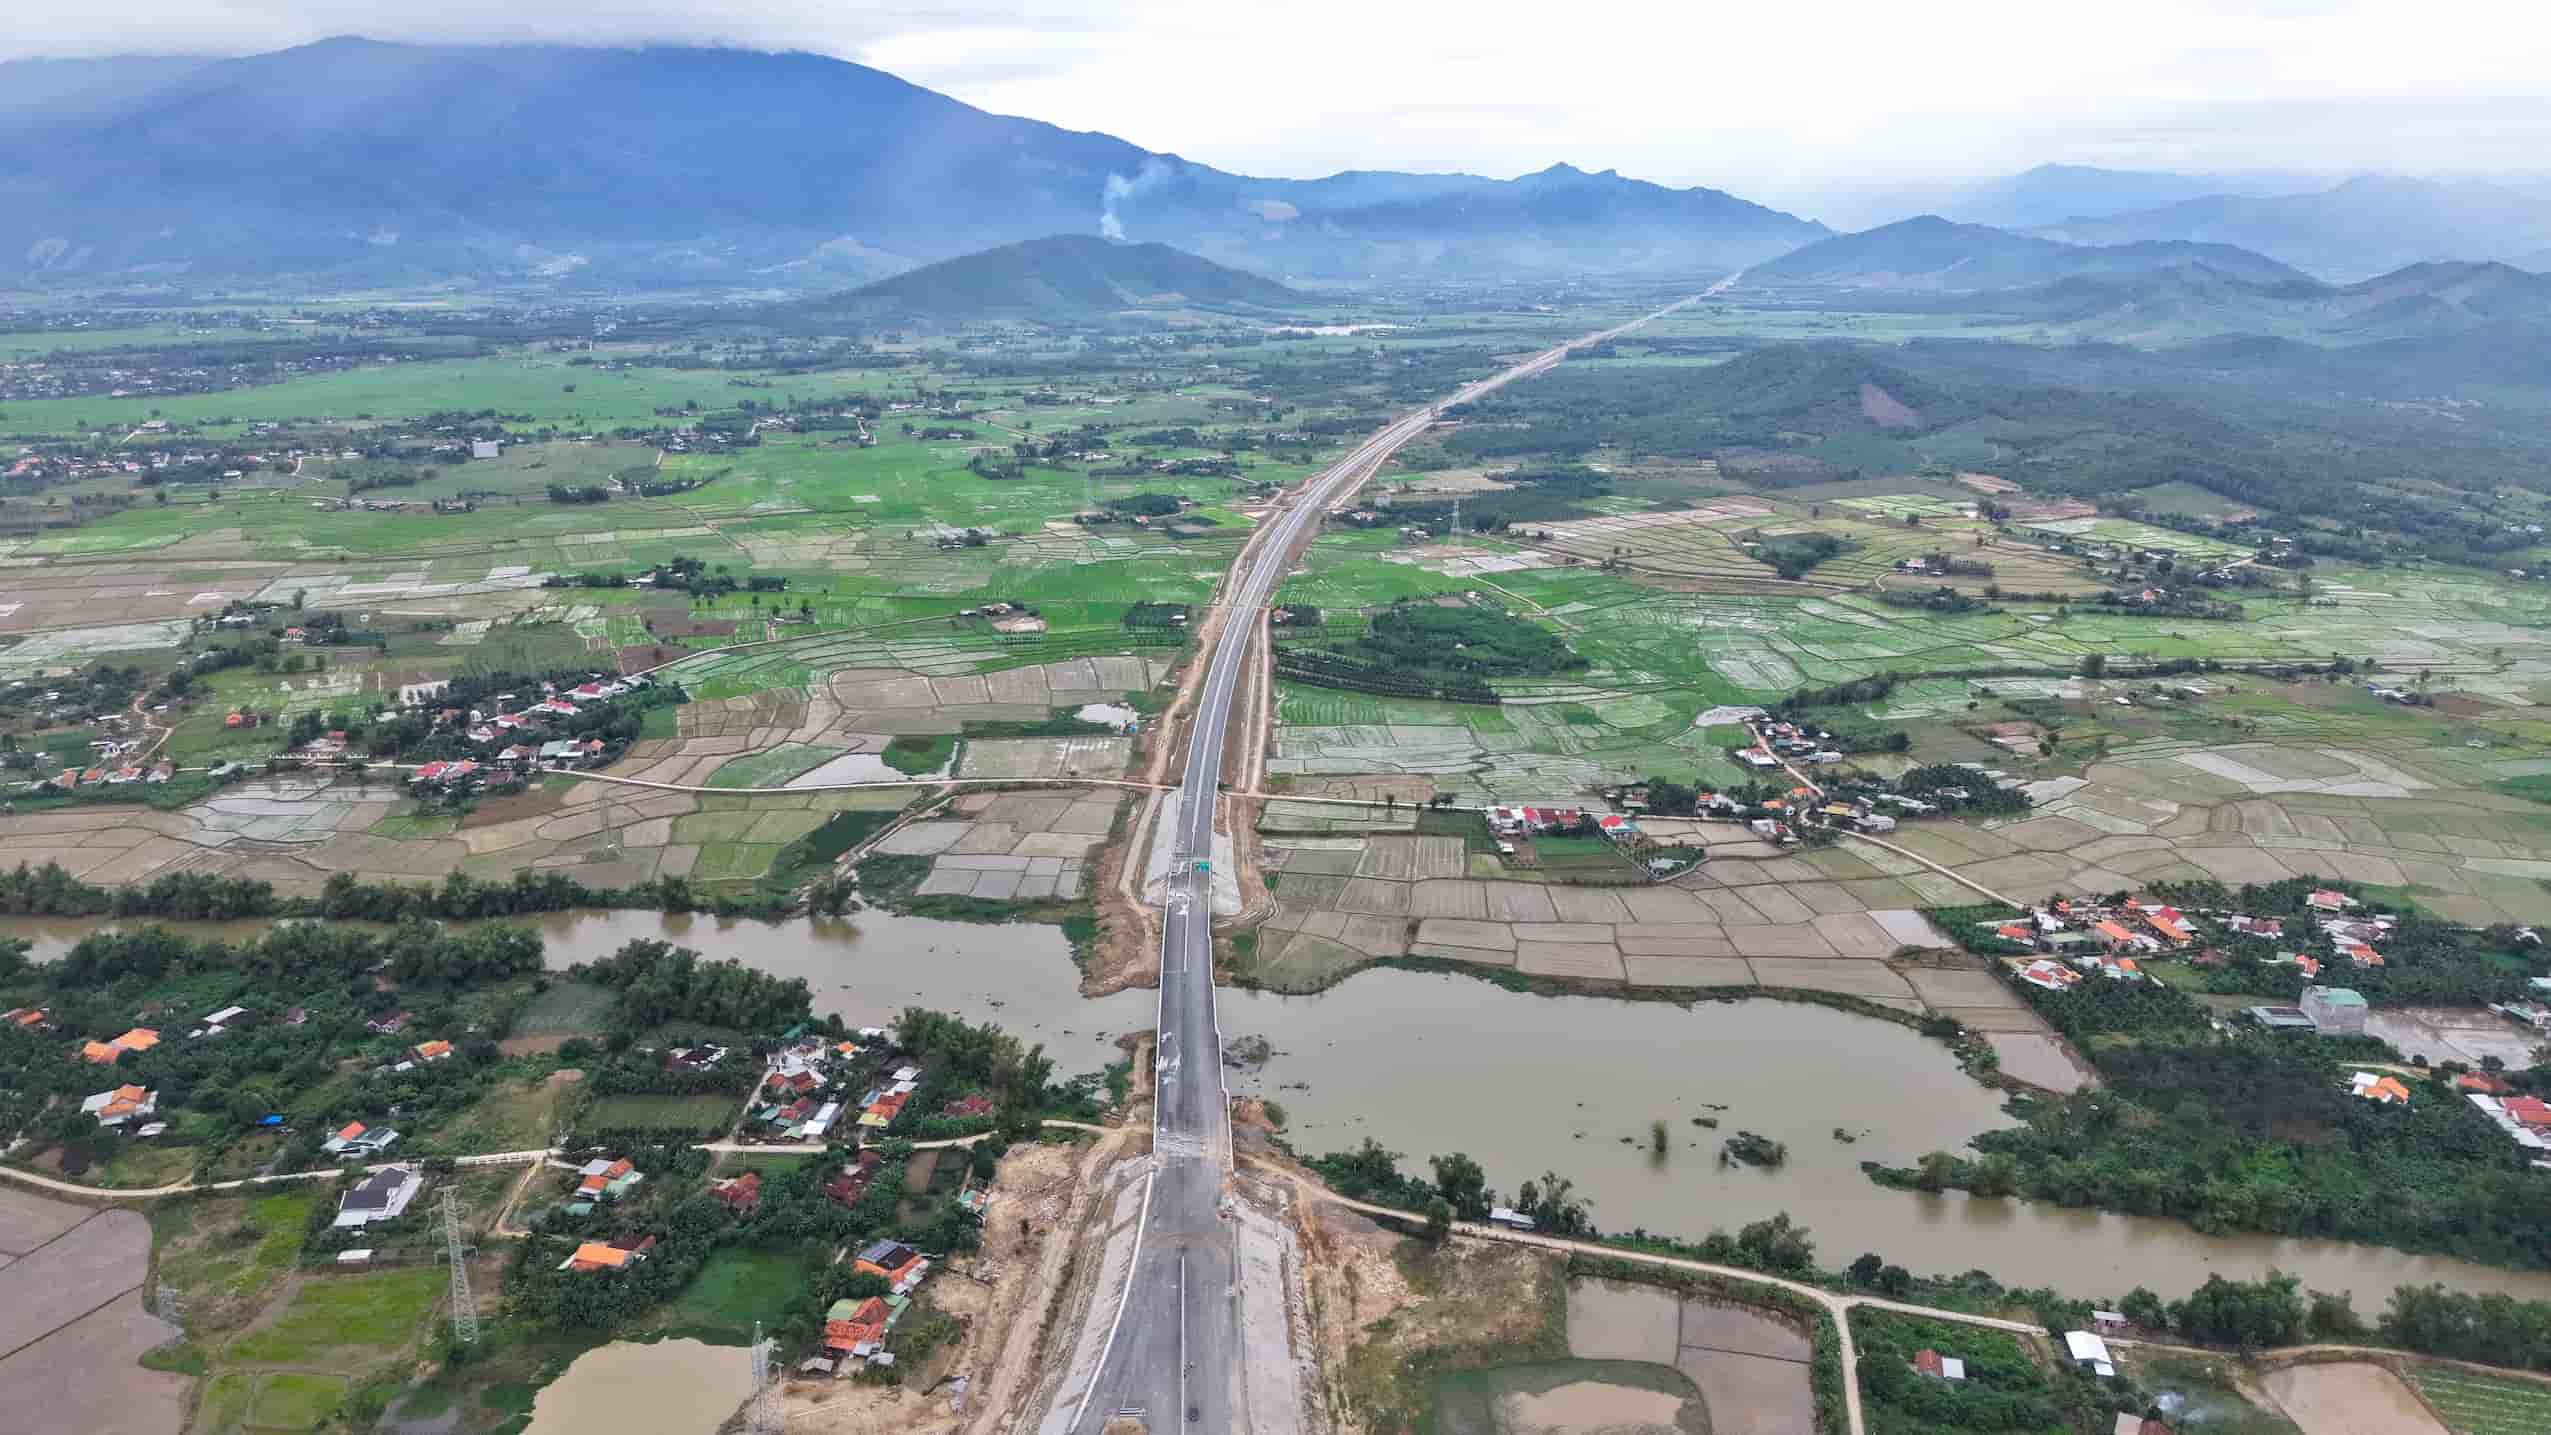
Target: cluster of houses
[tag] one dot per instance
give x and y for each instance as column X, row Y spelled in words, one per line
column 2096, row 936
column 516, row 742
column 110, row 773
column 1775, row 739
column 2525, row 1119
column 855, row 1331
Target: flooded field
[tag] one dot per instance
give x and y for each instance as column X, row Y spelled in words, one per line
column 1750, row 1367
column 624, row 1386
column 1432, row 1063
column 2350, row 1399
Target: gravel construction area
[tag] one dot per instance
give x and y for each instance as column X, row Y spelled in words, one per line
column 72, row 1321
column 2466, row 1035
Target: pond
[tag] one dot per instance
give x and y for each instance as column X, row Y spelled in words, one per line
column 625, row 1386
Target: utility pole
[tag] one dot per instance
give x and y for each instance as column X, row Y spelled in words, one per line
column 464, row 1305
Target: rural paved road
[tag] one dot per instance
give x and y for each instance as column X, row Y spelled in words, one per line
column 1173, row 1354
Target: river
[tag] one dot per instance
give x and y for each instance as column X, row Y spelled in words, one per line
column 1427, row 1063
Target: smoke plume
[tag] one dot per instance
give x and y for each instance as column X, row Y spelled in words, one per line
column 1118, row 189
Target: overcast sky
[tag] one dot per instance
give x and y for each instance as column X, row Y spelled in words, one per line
column 1783, row 103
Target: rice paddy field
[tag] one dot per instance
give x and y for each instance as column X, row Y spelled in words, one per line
column 2483, row 1405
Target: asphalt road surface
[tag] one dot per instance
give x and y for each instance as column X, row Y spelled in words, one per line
column 1173, row 1359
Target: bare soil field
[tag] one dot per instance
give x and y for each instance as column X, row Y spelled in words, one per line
column 72, row 1321
column 1749, row 1366
column 2350, row 1399
column 1009, row 846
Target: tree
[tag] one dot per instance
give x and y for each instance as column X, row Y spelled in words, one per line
column 2143, row 1308
column 1460, row 1181
column 1777, row 1243
column 2252, row 1314
column 2094, row 665
column 1439, row 1219
column 1938, row 1167
column 1864, row 1269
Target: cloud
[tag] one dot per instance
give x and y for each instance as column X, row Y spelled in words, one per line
column 1743, row 98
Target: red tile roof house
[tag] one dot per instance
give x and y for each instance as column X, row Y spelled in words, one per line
column 863, row 1326
column 739, row 1194
column 2530, row 1110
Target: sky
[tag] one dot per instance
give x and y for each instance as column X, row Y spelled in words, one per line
column 1806, row 105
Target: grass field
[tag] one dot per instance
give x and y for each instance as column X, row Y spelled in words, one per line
column 222, row 1255
column 773, row 767
column 514, row 1115
column 568, row 1008
column 670, row 1112
column 376, row 1311
column 734, row 1289
column 2481, row 1405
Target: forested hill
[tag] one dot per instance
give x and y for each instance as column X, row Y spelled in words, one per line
column 2371, row 437
column 2171, row 306
column 1060, row 276
column 1931, row 253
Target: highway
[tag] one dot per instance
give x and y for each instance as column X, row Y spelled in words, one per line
column 1173, row 1355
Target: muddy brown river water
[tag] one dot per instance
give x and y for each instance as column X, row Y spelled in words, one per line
column 1428, row 1063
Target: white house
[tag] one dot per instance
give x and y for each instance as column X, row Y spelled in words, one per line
column 2089, row 1351
column 381, row 1196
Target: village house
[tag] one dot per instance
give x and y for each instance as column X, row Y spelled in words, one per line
column 2089, row 1352
column 120, row 1106
column 381, row 1196
column 901, row 1265
column 356, row 1139
column 2050, row 974
column 2386, row 1090
column 856, row 1328
column 739, row 1194
column 851, row 1182
column 591, row 1256
column 1927, row 1361
column 2335, row 1011
column 106, row 1053
column 607, row 1180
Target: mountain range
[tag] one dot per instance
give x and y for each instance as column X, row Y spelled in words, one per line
column 2365, row 226
column 2056, row 193
column 1061, row 276
column 2414, row 302
column 1933, row 254
column 356, row 160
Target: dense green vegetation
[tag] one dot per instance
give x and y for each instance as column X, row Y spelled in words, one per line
column 1480, row 641
column 2252, row 1131
column 314, row 1073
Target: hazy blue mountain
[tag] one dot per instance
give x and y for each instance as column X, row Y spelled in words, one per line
column 2367, row 226
column 2054, row 193
column 1063, row 275
column 36, row 92
column 1932, row 254
column 351, row 158
column 2196, row 302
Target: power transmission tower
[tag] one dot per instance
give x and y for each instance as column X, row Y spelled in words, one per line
column 169, row 1309
column 464, row 1305
column 763, row 1418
